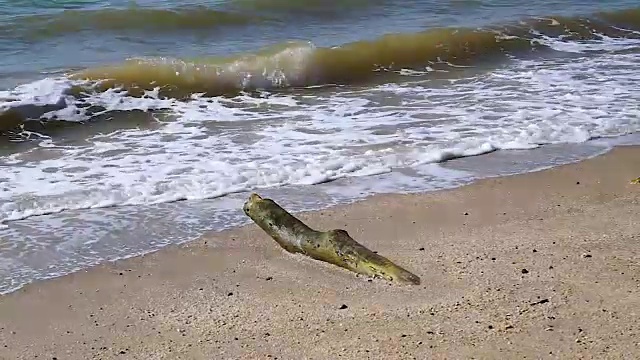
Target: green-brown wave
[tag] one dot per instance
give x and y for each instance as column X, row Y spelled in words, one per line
column 128, row 19
column 301, row 64
column 132, row 18
column 306, row 7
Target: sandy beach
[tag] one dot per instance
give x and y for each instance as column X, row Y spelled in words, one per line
column 541, row 265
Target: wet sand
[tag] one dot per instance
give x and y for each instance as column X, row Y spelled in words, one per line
column 541, row 265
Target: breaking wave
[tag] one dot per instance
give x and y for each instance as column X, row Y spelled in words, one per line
column 301, row 64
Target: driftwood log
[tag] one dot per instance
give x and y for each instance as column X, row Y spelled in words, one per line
column 334, row 246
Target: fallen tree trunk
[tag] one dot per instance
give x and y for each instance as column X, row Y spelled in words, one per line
column 334, row 246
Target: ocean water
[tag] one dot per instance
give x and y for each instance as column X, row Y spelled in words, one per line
column 126, row 126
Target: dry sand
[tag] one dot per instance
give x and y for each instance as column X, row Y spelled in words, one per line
column 542, row 265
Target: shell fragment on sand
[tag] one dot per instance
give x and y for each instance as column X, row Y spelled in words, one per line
column 334, row 246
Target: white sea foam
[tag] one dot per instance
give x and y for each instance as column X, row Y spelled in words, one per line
column 209, row 147
column 604, row 43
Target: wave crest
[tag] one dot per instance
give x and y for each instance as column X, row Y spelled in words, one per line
column 298, row 64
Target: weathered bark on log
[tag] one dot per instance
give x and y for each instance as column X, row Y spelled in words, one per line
column 334, row 246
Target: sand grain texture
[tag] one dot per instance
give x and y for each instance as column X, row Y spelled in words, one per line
column 542, row 265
